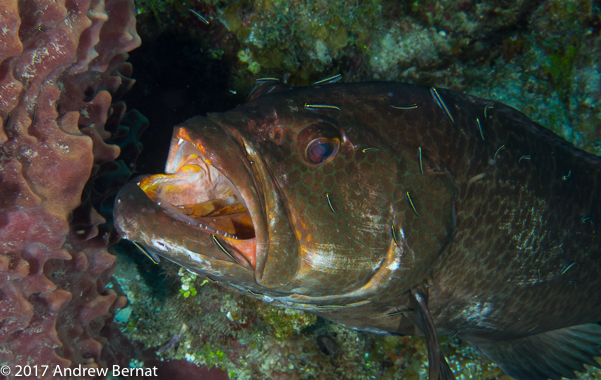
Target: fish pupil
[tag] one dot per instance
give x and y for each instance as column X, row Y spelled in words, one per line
column 319, row 150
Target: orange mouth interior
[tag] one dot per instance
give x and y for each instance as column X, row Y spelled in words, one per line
column 199, row 194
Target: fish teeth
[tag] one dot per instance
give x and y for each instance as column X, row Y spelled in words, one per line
column 217, row 232
column 208, row 228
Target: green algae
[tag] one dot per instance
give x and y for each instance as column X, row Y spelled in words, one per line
column 286, row 322
column 280, row 36
column 188, row 280
column 550, row 73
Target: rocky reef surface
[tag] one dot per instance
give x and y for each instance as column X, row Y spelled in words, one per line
column 539, row 56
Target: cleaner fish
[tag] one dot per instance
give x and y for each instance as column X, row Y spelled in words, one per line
column 389, row 208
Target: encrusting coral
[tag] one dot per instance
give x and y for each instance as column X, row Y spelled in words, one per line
column 61, row 67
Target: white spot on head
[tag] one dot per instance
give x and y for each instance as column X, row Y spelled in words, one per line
column 395, row 264
column 160, row 245
column 180, row 141
column 198, row 261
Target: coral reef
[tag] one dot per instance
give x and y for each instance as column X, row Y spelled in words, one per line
column 61, row 66
column 538, row 56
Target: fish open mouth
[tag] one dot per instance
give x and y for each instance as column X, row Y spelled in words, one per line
column 195, row 192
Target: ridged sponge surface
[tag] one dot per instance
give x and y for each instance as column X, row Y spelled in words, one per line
column 61, row 66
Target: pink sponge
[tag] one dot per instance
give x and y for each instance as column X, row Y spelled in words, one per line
column 61, row 63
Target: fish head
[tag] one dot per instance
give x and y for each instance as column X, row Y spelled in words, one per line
column 296, row 196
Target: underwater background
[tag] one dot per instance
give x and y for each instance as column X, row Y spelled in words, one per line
column 541, row 57
column 89, row 93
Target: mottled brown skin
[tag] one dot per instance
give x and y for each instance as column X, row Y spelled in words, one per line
column 496, row 227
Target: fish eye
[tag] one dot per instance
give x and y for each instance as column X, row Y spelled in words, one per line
column 319, row 142
column 321, row 150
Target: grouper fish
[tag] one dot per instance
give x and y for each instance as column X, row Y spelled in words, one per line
column 389, row 208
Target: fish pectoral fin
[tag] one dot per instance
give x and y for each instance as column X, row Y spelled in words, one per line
column 439, row 368
column 549, row 355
